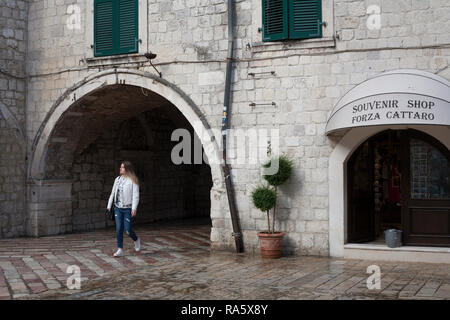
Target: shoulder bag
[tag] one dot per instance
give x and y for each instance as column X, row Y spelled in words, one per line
column 110, row 213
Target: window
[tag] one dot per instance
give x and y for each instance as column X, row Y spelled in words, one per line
column 115, row 27
column 291, row 19
column 430, row 172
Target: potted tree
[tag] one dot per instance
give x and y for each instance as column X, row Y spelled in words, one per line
column 264, row 197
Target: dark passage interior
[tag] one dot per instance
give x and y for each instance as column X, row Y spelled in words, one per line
column 120, row 123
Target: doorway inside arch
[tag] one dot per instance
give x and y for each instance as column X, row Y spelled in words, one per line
column 399, row 179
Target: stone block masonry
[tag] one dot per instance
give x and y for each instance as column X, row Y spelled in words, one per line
column 13, row 43
column 309, row 77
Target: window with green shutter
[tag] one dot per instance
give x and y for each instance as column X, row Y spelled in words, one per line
column 305, row 19
column 115, row 27
column 291, row 19
column 275, row 24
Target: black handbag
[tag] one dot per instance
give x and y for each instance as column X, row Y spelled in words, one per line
column 110, row 213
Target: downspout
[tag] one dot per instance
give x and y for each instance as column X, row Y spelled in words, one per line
column 225, row 125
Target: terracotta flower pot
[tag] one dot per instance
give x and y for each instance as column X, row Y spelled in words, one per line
column 271, row 244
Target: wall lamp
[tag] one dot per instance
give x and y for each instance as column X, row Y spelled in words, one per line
column 150, row 56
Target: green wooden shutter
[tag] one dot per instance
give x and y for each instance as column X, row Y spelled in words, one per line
column 115, row 27
column 305, row 19
column 103, row 27
column 275, row 20
column 127, row 29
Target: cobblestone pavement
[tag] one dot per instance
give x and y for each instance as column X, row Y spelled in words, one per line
column 175, row 263
column 34, row 265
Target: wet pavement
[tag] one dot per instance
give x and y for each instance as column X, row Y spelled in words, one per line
column 175, row 263
column 34, row 265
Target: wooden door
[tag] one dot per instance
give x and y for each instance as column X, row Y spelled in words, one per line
column 425, row 190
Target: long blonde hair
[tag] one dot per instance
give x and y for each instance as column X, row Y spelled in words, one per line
column 129, row 172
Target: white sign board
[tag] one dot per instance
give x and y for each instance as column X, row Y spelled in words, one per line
column 371, row 103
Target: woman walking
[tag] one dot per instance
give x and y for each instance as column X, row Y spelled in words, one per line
column 125, row 193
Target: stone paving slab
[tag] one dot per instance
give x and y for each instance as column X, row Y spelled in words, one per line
column 224, row 276
column 33, row 265
column 175, row 263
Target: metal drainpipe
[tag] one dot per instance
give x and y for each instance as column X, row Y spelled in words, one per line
column 225, row 125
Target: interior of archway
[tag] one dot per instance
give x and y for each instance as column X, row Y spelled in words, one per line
column 117, row 123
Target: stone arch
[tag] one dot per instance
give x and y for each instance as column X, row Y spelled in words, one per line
column 136, row 78
column 57, row 189
column 12, row 121
column 337, row 175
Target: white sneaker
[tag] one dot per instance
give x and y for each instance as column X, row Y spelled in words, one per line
column 137, row 245
column 119, row 253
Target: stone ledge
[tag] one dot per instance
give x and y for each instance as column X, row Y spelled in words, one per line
column 403, row 248
column 404, row 254
column 119, row 59
column 259, row 47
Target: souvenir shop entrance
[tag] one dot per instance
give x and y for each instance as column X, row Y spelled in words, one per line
column 399, row 179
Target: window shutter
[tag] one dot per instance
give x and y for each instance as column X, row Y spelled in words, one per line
column 127, row 29
column 275, row 20
column 305, row 18
column 103, row 27
column 115, row 27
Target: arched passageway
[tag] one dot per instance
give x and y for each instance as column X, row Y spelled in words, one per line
column 119, row 123
column 78, row 159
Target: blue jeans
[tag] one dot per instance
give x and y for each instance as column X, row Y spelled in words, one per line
column 123, row 219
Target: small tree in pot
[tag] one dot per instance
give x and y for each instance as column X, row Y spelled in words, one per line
column 265, row 198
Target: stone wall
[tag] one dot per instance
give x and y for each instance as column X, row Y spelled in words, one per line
column 310, row 75
column 12, row 182
column 49, row 207
column 13, row 32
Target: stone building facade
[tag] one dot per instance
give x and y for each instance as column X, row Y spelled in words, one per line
column 13, row 44
column 63, row 109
